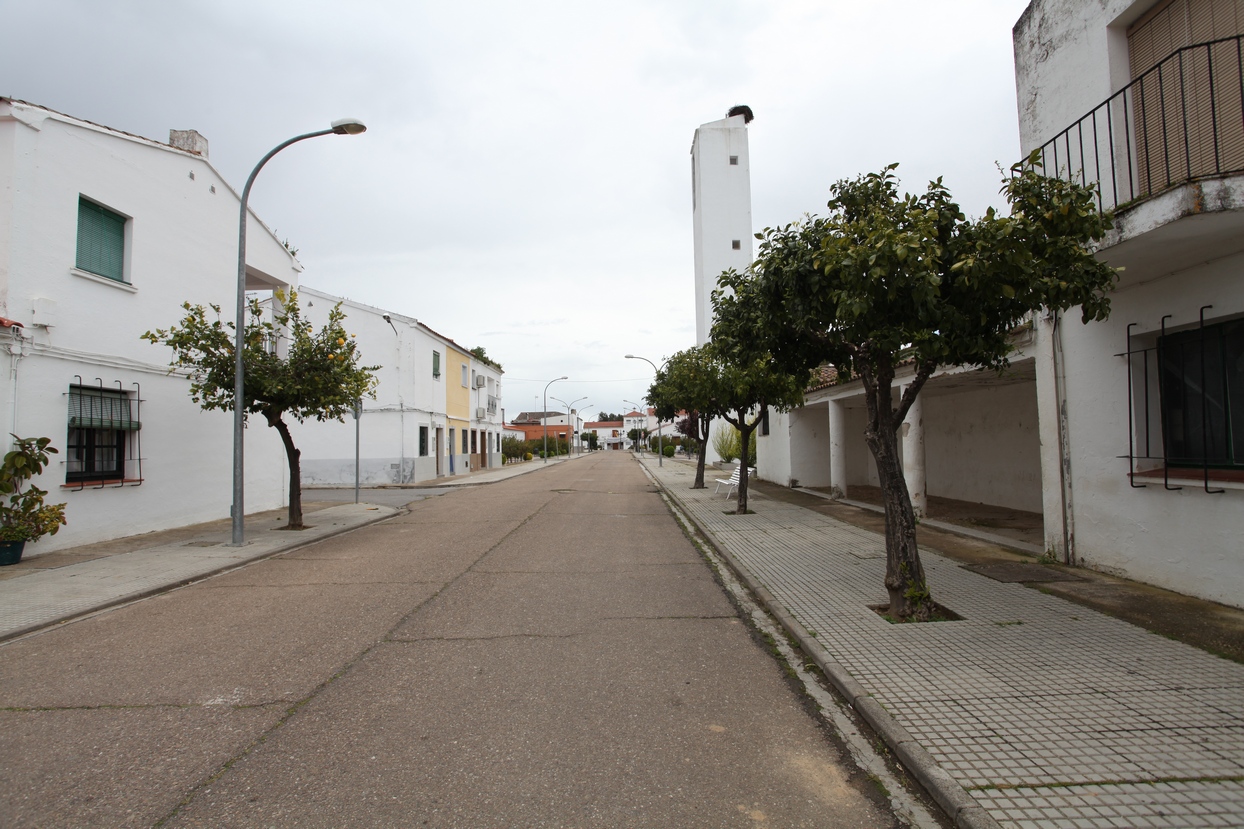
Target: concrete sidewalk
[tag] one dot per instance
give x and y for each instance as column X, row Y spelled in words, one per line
column 1030, row 713
column 41, row 597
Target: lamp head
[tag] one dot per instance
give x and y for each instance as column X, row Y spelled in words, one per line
column 348, row 126
column 630, row 356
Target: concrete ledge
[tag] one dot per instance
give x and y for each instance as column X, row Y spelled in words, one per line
column 954, row 800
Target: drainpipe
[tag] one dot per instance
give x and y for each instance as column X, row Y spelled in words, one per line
column 1064, row 445
column 15, row 357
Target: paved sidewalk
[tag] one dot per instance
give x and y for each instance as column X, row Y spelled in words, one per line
column 1030, row 713
column 42, row 597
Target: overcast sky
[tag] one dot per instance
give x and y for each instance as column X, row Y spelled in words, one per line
column 524, row 184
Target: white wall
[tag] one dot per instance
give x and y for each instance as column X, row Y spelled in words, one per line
column 1188, row 541
column 722, row 211
column 982, row 446
column 1070, row 56
column 181, row 245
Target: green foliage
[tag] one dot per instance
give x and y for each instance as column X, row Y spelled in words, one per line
column 25, row 516
column 727, row 442
column 885, row 273
column 527, row 456
column 318, row 377
column 669, row 451
column 513, row 447
column 481, row 355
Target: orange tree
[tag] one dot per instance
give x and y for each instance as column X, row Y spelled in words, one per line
column 887, row 278
column 312, row 375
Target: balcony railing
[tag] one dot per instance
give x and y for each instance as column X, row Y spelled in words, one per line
column 1180, row 121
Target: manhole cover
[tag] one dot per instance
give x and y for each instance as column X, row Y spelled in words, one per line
column 1018, row 571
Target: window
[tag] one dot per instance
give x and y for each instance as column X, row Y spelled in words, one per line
column 436, row 364
column 734, row 161
column 474, row 442
column 736, row 244
column 466, row 376
column 101, row 241
column 764, row 423
column 1202, row 394
column 423, row 441
column 100, row 424
column 464, row 441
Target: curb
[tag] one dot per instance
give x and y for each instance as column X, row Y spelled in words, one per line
column 108, row 604
column 954, row 800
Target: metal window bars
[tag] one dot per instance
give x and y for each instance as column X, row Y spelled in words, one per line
column 1140, row 393
column 1180, row 121
column 101, row 407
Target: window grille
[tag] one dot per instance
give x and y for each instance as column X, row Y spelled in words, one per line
column 102, row 445
column 1186, row 398
column 101, row 241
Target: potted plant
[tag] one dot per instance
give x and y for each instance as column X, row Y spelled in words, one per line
column 23, row 515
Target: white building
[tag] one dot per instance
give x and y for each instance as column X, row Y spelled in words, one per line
column 1151, row 452
column 721, row 206
column 1127, row 436
column 103, row 236
column 437, row 410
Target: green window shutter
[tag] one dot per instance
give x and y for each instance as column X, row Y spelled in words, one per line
column 100, row 409
column 101, row 241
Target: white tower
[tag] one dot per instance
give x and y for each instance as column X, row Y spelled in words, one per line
column 721, row 193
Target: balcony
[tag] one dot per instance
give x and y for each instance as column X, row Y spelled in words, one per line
column 1166, row 153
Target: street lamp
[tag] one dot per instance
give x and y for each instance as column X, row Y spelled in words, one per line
column 660, row 446
column 569, row 424
column 342, row 126
column 544, row 415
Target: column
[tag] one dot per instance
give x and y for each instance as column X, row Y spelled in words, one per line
column 913, row 457
column 837, row 449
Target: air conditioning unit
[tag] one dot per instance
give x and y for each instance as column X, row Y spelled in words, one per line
column 480, row 413
column 480, row 381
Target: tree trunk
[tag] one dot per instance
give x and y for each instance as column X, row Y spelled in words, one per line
column 292, row 455
column 745, row 434
column 702, row 427
column 904, row 574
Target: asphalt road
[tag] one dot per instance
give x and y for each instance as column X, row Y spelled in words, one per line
column 548, row 650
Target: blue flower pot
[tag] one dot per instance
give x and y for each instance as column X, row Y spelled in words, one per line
column 11, row 552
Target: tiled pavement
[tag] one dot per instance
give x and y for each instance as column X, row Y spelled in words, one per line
column 1048, row 714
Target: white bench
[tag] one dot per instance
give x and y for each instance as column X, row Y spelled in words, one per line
column 733, row 481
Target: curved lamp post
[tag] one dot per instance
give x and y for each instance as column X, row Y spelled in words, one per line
column 660, row 447
column 570, row 425
column 544, row 415
column 342, row 126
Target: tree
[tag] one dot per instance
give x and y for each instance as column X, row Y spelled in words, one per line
column 313, row 375
column 752, row 380
column 886, row 279
column 689, row 381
